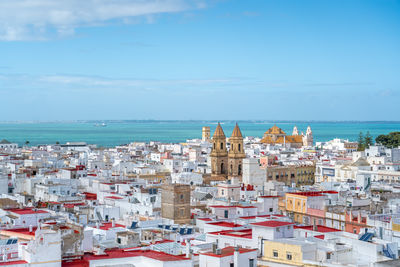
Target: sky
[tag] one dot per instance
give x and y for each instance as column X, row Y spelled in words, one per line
column 199, row 60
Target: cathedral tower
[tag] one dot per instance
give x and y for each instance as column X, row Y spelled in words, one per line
column 236, row 153
column 308, row 139
column 219, row 153
column 295, row 131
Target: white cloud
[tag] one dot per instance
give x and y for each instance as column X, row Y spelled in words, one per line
column 37, row 19
column 94, row 81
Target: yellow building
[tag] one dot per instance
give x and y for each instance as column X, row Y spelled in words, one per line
column 308, row 207
column 288, row 252
column 296, row 204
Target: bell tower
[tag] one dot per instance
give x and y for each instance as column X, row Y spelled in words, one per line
column 219, row 153
column 236, row 153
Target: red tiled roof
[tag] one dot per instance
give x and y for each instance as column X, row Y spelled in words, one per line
column 205, row 219
column 248, row 217
column 24, row 211
column 72, row 205
column 90, row 196
column 107, row 226
column 13, row 263
column 225, row 224
column 320, row 228
column 272, row 223
column 114, row 197
column 245, row 233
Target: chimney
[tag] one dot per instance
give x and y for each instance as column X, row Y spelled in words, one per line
column 236, row 254
column 188, row 248
column 214, row 248
column 30, row 228
column 113, row 223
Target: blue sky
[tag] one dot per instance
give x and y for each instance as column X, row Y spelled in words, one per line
column 177, row 59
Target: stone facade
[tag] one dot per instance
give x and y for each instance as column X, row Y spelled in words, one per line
column 236, row 153
column 175, row 203
column 224, row 163
column 219, row 153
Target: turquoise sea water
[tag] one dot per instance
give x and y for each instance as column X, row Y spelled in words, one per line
column 123, row 132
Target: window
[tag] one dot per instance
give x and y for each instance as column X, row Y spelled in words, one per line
column 226, row 213
column 222, row 145
column 251, row 262
column 328, row 256
column 239, row 147
column 271, row 209
column 232, row 264
column 289, row 256
column 275, row 253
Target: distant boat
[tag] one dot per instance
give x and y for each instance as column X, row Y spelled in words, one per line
column 100, row 124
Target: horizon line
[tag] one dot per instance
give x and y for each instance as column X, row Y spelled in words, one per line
column 195, row 120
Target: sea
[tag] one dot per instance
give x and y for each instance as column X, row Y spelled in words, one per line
column 113, row 132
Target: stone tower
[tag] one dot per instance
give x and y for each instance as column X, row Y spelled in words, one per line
column 219, row 153
column 205, row 137
column 175, row 203
column 236, row 153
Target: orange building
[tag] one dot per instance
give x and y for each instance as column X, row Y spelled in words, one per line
column 308, row 207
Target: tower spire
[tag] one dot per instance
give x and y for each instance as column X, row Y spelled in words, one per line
column 218, row 131
column 236, row 131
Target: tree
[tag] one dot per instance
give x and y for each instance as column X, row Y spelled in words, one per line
column 390, row 140
column 27, row 142
column 368, row 140
column 57, row 143
column 361, row 146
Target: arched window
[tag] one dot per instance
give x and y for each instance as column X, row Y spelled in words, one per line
column 240, row 169
column 214, row 145
column 222, row 145
column 222, row 168
column 239, row 147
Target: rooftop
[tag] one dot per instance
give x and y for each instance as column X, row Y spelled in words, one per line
column 123, row 253
column 225, row 224
column 272, row 223
column 319, row 228
column 245, row 233
column 228, row 251
column 313, row 193
column 24, row 211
